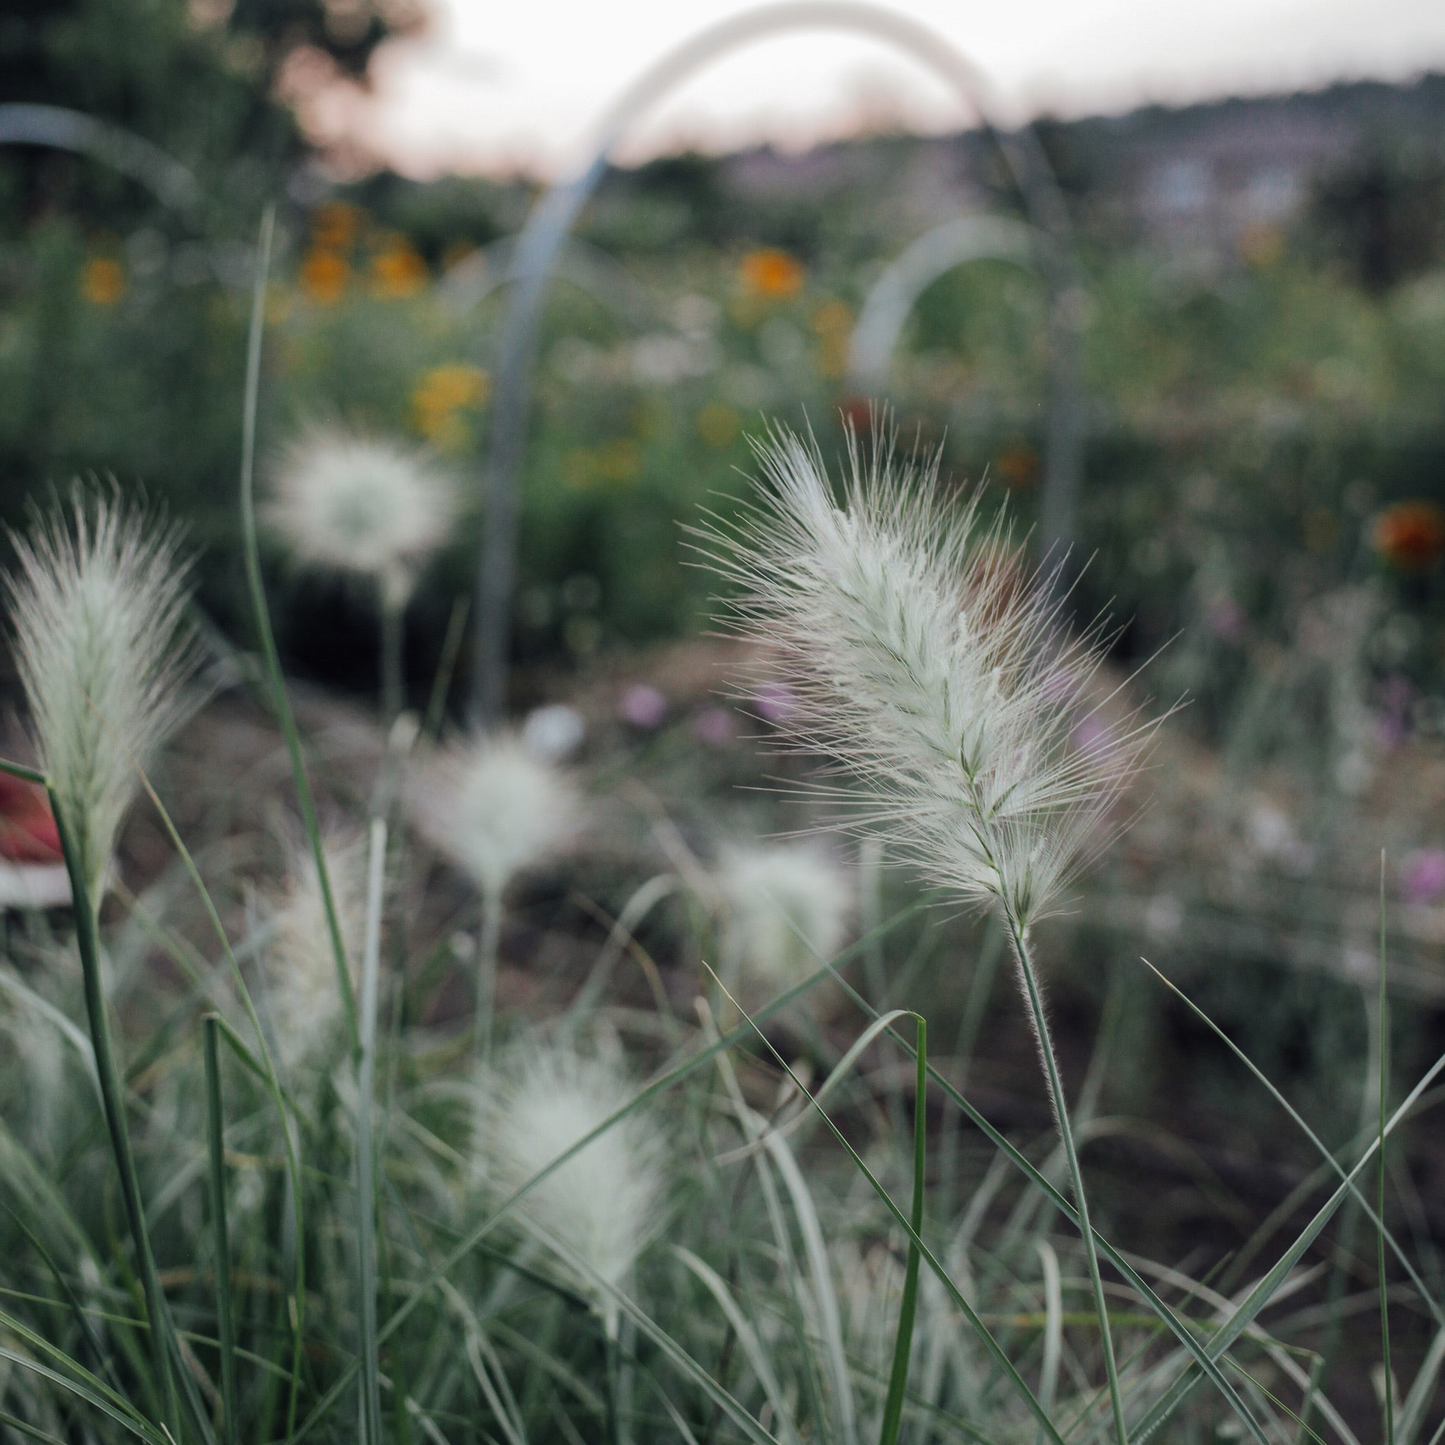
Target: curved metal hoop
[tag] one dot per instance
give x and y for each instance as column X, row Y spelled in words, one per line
column 59, row 128
column 552, row 219
column 933, row 254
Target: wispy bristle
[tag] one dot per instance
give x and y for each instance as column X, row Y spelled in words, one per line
column 97, row 605
column 928, row 661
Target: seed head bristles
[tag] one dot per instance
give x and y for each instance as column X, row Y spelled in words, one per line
column 97, row 609
column 784, row 907
column 495, row 808
column 367, row 506
column 303, row 998
column 606, row 1203
column 929, row 663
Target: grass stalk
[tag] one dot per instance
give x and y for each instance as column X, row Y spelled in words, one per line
column 366, row 1143
column 446, row 667
column 393, row 638
column 1034, row 998
column 908, row 1309
column 1383, row 1023
column 87, row 940
column 225, row 1316
column 487, row 948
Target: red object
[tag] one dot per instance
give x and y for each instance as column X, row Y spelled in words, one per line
column 27, row 826
column 1411, row 535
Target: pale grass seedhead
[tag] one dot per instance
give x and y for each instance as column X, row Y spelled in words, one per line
column 785, row 906
column 97, row 610
column 303, row 994
column 496, row 808
column 371, row 507
column 603, row 1206
column 928, row 662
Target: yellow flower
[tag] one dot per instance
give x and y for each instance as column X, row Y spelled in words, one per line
column 102, row 282
column 441, row 395
column 335, row 225
column 718, row 424
column 396, row 270
column 324, row 274
column 772, row 274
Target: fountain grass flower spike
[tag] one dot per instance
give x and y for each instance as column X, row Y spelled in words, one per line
column 605, row 1204
column 929, row 664
column 104, row 654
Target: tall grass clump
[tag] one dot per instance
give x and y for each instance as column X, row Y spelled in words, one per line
column 931, row 667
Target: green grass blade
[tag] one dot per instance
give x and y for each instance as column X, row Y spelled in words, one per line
column 252, row 552
column 225, row 1318
column 87, row 941
column 446, row 667
column 366, row 1143
column 908, row 1309
column 1383, row 1009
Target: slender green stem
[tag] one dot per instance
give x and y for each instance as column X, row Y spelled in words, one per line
column 252, row 553
column 393, row 616
column 487, row 948
column 225, row 1319
column 908, row 1309
column 446, row 666
column 366, row 1144
column 1384, row 1053
column 1034, row 998
column 87, row 940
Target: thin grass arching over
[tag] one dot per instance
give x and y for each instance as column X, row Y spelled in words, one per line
column 104, row 653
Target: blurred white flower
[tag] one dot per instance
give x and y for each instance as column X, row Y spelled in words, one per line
column 925, row 658
column 97, row 605
column 495, row 808
column 785, row 908
column 554, row 732
column 603, row 1206
column 303, row 992
column 362, row 505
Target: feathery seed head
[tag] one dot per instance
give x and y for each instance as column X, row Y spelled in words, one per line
column 97, row 608
column 927, row 661
column 496, row 808
column 606, row 1203
column 367, row 506
column 785, row 906
column 304, row 996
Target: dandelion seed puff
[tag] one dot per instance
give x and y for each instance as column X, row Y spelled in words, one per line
column 785, row 907
column 97, row 609
column 603, row 1206
column 366, row 506
column 927, row 662
column 496, row 808
column 303, row 996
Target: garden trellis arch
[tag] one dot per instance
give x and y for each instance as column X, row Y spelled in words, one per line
column 552, row 219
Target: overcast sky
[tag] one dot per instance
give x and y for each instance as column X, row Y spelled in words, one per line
column 504, row 84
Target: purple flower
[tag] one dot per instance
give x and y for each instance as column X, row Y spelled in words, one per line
column 642, row 706
column 714, row 726
column 775, row 702
column 1422, row 875
column 1094, row 737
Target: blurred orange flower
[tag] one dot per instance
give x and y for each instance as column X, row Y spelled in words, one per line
column 772, row 273
column 397, row 271
column 324, row 274
column 441, row 395
column 1411, row 535
column 102, row 282
column 1018, row 465
column 335, row 225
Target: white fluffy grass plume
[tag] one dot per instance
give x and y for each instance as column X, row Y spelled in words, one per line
column 362, row 505
column 303, row 995
column 784, row 906
column 603, row 1206
column 495, row 808
column 97, row 608
column 930, row 665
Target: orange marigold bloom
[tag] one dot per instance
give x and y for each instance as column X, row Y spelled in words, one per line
column 441, row 394
column 397, row 271
column 335, row 225
column 324, row 274
column 102, row 282
column 1411, row 535
column 772, row 273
